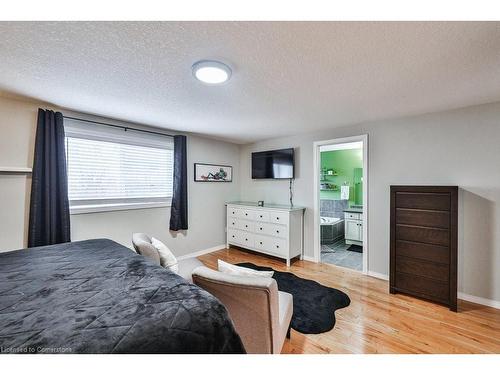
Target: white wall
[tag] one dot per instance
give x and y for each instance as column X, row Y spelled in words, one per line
column 206, row 200
column 458, row 147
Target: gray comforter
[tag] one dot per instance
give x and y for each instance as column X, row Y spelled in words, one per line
column 97, row 296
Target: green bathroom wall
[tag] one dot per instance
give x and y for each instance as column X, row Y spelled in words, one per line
column 349, row 167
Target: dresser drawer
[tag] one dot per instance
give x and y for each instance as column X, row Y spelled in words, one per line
column 432, row 236
column 245, row 225
column 426, row 218
column 246, row 214
column 279, row 217
column 234, row 236
column 423, row 201
column 272, row 245
column 418, row 267
column 417, row 250
column 423, row 287
column 233, row 212
column 275, row 230
column 262, row 216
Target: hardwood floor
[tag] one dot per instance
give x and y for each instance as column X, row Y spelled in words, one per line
column 378, row 322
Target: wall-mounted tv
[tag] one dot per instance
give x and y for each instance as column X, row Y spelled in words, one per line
column 273, row 164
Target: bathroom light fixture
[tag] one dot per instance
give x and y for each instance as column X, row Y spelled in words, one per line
column 211, row 72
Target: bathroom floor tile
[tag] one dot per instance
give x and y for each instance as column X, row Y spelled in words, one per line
column 336, row 253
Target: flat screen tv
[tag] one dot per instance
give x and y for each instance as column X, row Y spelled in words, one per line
column 273, row 164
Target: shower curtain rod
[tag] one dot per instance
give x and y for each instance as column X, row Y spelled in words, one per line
column 118, row 126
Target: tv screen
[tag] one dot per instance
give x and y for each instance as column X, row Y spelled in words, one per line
column 273, row 164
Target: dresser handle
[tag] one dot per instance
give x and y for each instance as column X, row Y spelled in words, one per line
column 233, row 236
column 260, row 228
column 277, row 246
column 261, row 242
column 277, row 231
column 246, row 226
column 261, row 216
column 246, row 239
column 277, row 218
column 246, row 214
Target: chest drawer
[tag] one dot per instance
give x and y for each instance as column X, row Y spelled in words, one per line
column 262, row 216
column 279, row 217
column 245, row 225
column 246, row 214
column 275, row 230
column 236, row 223
column 272, row 245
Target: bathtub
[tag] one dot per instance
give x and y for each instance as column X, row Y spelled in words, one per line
column 325, row 220
column 332, row 229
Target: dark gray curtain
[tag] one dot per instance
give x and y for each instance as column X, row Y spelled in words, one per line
column 179, row 209
column 49, row 207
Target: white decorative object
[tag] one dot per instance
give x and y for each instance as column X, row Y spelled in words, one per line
column 167, row 259
column 273, row 229
column 232, row 269
column 344, row 192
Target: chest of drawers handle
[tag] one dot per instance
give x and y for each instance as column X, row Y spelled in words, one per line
column 246, row 226
column 277, row 246
column 277, row 231
column 260, row 242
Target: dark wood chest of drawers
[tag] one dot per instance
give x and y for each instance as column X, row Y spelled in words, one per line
column 424, row 242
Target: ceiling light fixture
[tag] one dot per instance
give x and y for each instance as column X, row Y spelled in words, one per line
column 211, row 72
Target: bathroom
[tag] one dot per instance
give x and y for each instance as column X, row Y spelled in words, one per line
column 341, row 205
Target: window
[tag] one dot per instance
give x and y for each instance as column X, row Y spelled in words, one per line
column 113, row 169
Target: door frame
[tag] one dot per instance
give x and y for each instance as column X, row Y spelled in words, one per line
column 316, row 168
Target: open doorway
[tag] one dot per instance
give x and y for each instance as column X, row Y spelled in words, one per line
column 340, row 197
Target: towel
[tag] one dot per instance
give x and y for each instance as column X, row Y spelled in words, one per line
column 344, row 192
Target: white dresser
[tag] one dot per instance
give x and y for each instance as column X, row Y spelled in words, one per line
column 273, row 229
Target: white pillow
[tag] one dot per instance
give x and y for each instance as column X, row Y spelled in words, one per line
column 231, row 269
column 167, row 259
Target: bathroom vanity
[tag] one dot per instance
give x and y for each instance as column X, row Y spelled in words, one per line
column 353, row 221
column 272, row 229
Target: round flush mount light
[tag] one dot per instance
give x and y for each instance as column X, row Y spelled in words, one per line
column 211, row 72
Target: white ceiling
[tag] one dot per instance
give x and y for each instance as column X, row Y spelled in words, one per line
column 288, row 77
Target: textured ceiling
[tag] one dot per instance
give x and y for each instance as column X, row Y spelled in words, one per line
column 288, row 77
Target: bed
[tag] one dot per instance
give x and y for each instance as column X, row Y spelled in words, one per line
column 97, row 296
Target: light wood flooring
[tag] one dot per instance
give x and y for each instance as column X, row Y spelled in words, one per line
column 378, row 322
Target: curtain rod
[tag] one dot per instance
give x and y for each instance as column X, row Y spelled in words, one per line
column 118, row 126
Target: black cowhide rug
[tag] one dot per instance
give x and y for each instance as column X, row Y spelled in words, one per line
column 314, row 304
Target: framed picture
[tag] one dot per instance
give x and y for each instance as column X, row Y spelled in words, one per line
column 212, row 173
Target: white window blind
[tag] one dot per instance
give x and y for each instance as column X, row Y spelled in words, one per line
column 111, row 168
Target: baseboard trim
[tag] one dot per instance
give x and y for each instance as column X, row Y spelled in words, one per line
column 479, row 300
column 202, row 252
column 309, row 259
column 378, row 275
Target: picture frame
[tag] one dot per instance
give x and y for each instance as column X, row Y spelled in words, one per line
column 212, row 173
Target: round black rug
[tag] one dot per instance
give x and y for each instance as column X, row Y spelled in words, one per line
column 314, row 304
